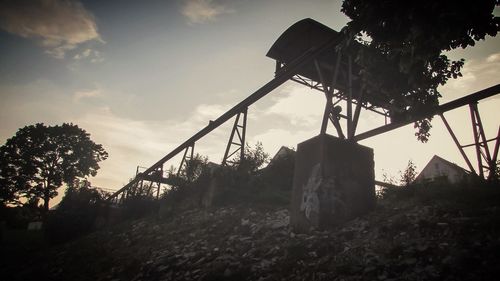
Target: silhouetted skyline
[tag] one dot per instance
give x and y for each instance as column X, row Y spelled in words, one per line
column 141, row 77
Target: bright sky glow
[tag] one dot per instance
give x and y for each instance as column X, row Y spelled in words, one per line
column 143, row 76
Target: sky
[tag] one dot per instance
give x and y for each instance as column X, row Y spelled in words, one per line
column 143, row 76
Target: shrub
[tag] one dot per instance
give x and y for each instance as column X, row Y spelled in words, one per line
column 188, row 185
column 76, row 214
column 240, row 182
column 248, row 184
column 138, row 206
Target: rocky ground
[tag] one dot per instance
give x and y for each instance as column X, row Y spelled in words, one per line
column 408, row 237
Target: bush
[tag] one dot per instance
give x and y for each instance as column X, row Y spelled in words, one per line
column 241, row 182
column 76, row 214
column 187, row 186
column 277, row 181
column 138, row 206
column 249, row 185
column 460, row 195
column 19, row 217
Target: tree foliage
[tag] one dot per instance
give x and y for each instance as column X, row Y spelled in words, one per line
column 77, row 213
column 39, row 159
column 193, row 168
column 80, row 194
column 409, row 174
column 254, row 159
column 406, row 40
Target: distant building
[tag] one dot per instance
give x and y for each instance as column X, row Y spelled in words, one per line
column 439, row 168
column 283, row 152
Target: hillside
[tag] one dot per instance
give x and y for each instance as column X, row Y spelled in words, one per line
column 414, row 234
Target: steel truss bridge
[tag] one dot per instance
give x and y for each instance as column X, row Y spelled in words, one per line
column 307, row 53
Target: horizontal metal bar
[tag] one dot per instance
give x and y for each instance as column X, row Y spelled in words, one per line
column 481, row 142
column 156, row 179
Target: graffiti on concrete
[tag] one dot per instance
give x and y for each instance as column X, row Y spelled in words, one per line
column 310, row 199
column 319, row 189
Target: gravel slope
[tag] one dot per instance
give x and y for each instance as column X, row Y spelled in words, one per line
column 405, row 238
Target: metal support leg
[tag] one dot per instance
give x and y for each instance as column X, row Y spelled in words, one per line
column 334, row 117
column 159, row 184
column 457, row 143
column 239, row 130
column 481, row 144
column 357, row 112
column 188, row 155
column 326, row 114
column 329, row 96
column 494, row 157
column 350, row 133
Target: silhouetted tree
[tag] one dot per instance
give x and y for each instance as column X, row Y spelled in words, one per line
column 77, row 212
column 254, row 158
column 81, row 194
column 194, row 167
column 39, row 159
column 406, row 39
column 409, row 174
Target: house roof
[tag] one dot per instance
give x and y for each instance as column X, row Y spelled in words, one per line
column 451, row 164
column 283, row 151
column 441, row 160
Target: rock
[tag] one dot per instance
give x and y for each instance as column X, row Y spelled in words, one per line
column 239, row 243
column 228, row 272
column 245, row 222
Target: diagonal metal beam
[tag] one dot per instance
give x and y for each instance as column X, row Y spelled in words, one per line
column 497, row 145
column 457, row 143
column 283, row 75
column 483, row 94
column 185, row 157
column 357, row 112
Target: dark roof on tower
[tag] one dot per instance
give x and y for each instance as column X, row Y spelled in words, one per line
column 308, row 34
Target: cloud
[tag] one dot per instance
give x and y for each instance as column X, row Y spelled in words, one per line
column 300, row 105
column 210, row 111
column 77, row 96
column 58, row 25
column 131, row 142
column 84, row 54
column 93, row 55
column 202, row 11
column 273, row 139
column 476, row 75
column 493, row 58
column 97, row 57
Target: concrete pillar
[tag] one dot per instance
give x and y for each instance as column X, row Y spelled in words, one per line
column 333, row 182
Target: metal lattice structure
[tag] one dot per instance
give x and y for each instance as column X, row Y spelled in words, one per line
column 307, row 53
column 237, row 138
column 486, row 160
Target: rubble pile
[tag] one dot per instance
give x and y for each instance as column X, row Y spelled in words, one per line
column 395, row 242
